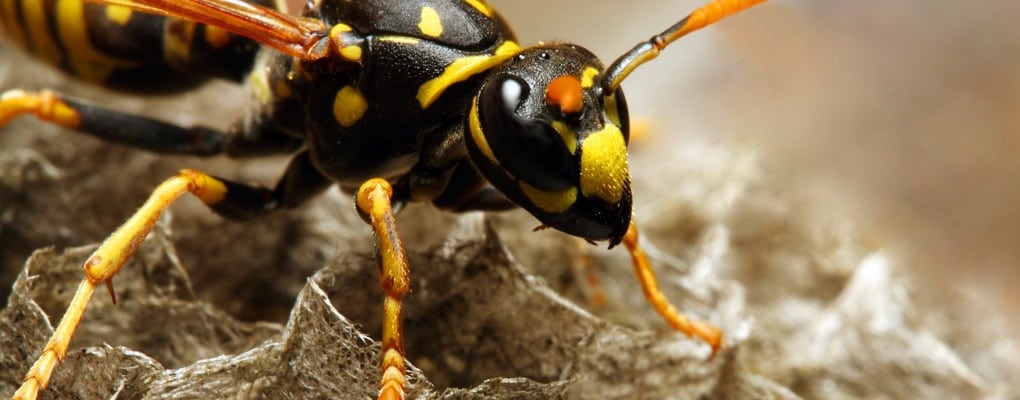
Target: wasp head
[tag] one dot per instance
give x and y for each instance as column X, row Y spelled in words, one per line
column 543, row 131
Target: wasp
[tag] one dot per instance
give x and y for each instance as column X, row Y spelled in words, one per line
column 394, row 101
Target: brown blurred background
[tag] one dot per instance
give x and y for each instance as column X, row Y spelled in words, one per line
column 902, row 117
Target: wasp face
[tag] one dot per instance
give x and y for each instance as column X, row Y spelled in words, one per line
column 542, row 131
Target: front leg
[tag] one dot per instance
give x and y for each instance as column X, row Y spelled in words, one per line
column 374, row 204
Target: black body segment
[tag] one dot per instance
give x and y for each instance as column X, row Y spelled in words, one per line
column 124, row 49
column 454, row 24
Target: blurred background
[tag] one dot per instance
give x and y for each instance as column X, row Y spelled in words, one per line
column 902, row 117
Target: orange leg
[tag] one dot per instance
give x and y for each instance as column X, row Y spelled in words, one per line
column 45, row 105
column 107, row 260
column 646, row 276
column 373, row 201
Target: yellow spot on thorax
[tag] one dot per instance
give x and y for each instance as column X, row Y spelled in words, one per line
column 430, row 25
column 216, row 37
column 350, row 52
column 551, row 202
column 349, row 106
column 588, row 77
column 120, row 15
column 461, row 69
column 604, row 172
column 481, row 7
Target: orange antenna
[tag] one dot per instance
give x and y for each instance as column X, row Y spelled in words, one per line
column 646, row 51
column 296, row 36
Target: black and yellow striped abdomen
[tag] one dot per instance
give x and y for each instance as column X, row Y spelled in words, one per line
column 118, row 47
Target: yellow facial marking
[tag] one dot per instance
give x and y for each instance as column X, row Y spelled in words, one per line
column 481, row 7
column 216, row 37
column 588, row 77
column 430, row 25
column 604, row 172
column 477, row 134
column 349, row 106
column 120, row 15
column 551, row 202
column 462, row 69
column 567, row 134
column 612, row 110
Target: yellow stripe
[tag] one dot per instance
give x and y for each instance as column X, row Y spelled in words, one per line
column 461, row 69
column 567, row 134
column 400, row 39
column 481, row 7
column 477, row 134
column 42, row 45
column 12, row 25
column 87, row 62
column 120, row 15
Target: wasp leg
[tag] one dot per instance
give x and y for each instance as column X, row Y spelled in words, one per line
column 300, row 182
column 132, row 130
column 227, row 198
column 142, row 132
column 374, row 202
column 645, row 275
column 107, row 260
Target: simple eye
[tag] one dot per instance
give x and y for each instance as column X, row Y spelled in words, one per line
column 528, row 148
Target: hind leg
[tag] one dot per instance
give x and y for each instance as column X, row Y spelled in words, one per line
column 225, row 197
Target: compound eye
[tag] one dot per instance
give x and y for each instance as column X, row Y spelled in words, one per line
column 521, row 137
